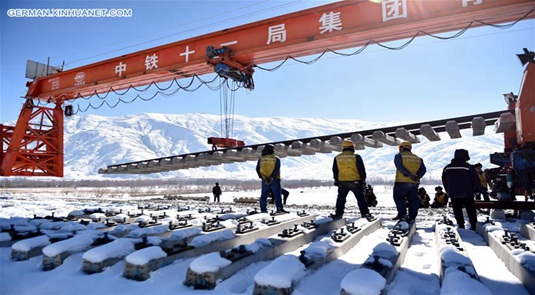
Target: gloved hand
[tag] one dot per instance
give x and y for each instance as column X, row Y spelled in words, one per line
column 414, row 178
column 268, row 180
column 336, row 183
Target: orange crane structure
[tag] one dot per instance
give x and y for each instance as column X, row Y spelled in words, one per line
column 34, row 146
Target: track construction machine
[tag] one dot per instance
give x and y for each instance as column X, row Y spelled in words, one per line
column 34, row 146
column 516, row 174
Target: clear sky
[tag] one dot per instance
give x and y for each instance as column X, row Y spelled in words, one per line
column 429, row 79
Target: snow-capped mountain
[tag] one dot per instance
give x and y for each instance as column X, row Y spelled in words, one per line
column 92, row 142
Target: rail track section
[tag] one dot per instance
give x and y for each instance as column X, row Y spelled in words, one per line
column 515, row 254
column 207, row 270
column 57, row 240
column 374, row 138
column 381, row 266
column 274, row 279
column 17, row 228
column 454, row 263
column 176, row 235
column 140, row 263
column 30, row 239
column 54, row 254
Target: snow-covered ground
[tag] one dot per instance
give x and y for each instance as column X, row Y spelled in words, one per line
column 419, row 274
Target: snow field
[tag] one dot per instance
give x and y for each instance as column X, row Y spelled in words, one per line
column 418, row 275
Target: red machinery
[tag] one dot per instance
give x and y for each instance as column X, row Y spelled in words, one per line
column 34, row 146
column 516, row 174
column 217, row 142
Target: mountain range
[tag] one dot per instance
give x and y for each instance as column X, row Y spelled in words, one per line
column 93, row 142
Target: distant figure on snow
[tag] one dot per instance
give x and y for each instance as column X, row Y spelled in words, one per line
column 461, row 182
column 217, row 192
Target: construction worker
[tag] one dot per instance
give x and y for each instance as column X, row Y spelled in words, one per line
column 441, row 198
column 349, row 175
column 268, row 169
column 409, row 169
column 216, row 191
column 424, row 198
column 371, row 199
column 461, row 182
column 484, row 184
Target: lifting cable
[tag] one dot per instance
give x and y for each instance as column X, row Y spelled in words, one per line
column 226, row 106
column 190, row 87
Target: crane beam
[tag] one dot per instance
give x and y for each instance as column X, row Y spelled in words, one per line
column 335, row 26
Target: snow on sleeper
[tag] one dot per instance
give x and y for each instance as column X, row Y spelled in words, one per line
column 115, row 249
column 281, row 273
column 144, row 256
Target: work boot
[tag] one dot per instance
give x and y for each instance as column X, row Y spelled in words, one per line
column 398, row 217
column 336, row 217
column 282, row 211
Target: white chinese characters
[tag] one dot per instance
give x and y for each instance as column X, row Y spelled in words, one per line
column 120, row 68
column 276, row 33
column 187, row 53
column 474, row 2
column 329, row 22
column 151, row 62
column 394, row 9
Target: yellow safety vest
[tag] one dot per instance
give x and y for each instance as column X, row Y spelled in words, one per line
column 483, row 180
column 412, row 163
column 267, row 165
column 347, row 167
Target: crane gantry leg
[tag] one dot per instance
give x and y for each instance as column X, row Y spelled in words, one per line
column 34, row 147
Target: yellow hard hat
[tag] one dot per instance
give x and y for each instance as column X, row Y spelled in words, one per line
column 405, row 144
column 348, row 144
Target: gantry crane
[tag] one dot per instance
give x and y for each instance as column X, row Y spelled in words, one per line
column 34, row 146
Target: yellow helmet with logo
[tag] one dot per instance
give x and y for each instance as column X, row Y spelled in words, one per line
column 406, row 145
column 348, row 144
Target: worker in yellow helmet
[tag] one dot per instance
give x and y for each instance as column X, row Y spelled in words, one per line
column 349, row 175
column 268, row 169
column 409, row 169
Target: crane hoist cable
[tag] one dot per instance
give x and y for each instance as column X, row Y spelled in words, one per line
column 227, row 99
column 227, row 102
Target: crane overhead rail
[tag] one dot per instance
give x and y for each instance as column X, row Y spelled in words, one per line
column 374, row 138
column 34, row 146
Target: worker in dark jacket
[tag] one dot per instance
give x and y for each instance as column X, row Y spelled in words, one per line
column 349, row 175
column 461, row 182
column 216, row 191
column 268, row 169
column 409, row 169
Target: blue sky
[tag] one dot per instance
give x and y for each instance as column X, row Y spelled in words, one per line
column 429, row 79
